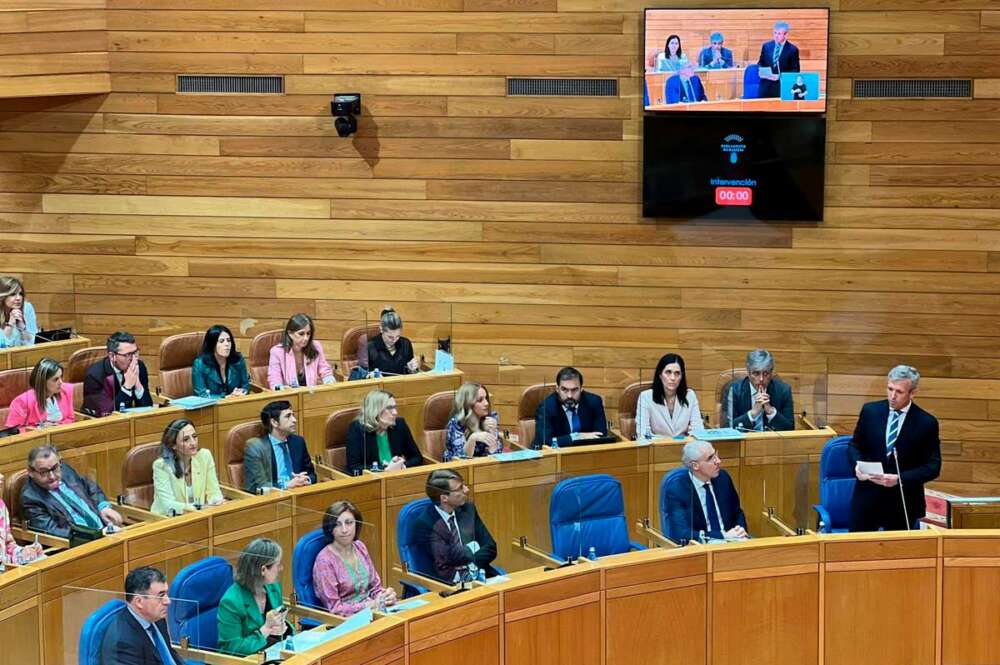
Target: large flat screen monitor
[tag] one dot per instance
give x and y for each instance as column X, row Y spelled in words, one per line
column 742, row 60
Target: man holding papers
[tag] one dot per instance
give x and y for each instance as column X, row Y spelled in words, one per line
column 777, row 56
column 901, row 438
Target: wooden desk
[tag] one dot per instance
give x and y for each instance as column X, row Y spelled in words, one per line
column 27, row 356
column 914, row 598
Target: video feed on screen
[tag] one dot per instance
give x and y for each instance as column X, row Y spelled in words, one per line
column 750, row 60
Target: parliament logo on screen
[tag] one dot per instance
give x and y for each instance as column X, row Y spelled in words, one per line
column 733, row 145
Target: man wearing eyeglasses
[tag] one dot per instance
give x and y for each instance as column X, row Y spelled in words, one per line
column 703, row 501
column 119, row 381
column 56, row 497
column 760, row 402
column 138, row 634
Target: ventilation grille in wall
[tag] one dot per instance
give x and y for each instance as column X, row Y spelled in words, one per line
column 562, row 87
column 226, row 84
column 922, row 88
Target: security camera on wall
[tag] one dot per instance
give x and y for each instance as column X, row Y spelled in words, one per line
column 345, row 107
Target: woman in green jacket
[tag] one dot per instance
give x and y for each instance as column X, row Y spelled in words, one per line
column 251, row 612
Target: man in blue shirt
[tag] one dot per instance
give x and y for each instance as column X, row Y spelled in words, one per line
column 137, row 635
column 280, row 457
column 56, row 497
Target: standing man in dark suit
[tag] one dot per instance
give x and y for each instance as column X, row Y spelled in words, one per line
column 452, row 530
column 904, row 438
column 120, row 381
column 760, row 401
column 280, row 457
column 703, row 500
column 570, row 413
column 56, row 497
column 781, row 56
column 138, row 634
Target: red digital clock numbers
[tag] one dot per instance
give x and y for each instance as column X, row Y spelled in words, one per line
column 733, row 196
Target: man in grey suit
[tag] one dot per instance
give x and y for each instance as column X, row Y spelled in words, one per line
column 56, row 497
column 760, row 401
column 280, row 457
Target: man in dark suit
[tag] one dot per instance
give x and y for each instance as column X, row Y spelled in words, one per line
column 760, row 401
column 570, row 414
column 118, row 381
column 715, row 56
column 703, row 500
column 452, row 531
column 781, row 56
column 280, row 457
column 56, row 497
column 685, row 87
column 138, row 634
column 904, row 439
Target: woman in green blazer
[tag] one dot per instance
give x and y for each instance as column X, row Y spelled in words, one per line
column 184, row 477
column 252, row 615
column 219, row 370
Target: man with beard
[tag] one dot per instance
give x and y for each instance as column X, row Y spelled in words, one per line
column 570, row 414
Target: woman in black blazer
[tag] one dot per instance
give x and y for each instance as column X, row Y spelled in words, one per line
column 380, row 437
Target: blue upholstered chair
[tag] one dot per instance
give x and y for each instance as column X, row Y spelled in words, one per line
column 589, row 511
column 836, row 486
column 415, row 557
column 92, row 633
column 195, row 595
column 751, row 82
column 668, row 479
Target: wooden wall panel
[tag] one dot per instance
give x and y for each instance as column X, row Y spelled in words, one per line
column 512, row 222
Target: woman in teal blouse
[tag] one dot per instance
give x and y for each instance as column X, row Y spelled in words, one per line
column 219, row 370
column 252, row 615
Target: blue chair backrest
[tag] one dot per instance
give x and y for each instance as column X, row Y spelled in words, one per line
column 836, row 481
column 751, row 81
column 645, row 92
column 92, row 633
column 195, row 596
column 303, row 558
column 669, row 478
column 413, row 554
column 585, row 512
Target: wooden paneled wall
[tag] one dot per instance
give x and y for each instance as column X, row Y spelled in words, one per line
column 514, row 222
column 53, row 47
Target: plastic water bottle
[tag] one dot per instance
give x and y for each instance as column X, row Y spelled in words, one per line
column 555, row 442
column 381, row 603
column 592, row 554
column 375, row 468
column 482, row 576
column 289, row 644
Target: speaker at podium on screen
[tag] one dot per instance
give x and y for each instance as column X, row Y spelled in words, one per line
column 799, row 86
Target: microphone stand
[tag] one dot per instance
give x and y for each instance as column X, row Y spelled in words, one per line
column 899, row 481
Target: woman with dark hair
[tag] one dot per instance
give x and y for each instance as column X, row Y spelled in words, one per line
column 49, row 401
column 344, row 576
column 669, row 408
column 219, row 370
column 672, row 57
column 184, row 477
column 473, row 427
column 298, row 360
column 390, row 352
column 252, row 615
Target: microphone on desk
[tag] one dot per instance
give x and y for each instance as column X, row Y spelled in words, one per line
column 899, row 481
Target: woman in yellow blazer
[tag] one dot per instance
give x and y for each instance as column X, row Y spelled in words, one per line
column 184, row 477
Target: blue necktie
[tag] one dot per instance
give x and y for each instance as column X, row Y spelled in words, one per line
column 776, row 55
column 574, row 418
column 78, row 508
column 690, row 91
column 714, row 528
column 288, row 459
column 893, row 433
column 161, row 645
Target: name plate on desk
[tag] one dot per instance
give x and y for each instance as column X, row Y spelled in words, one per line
column 192, row 402
column 720, row 434
column 312, row 638
column 518, row 456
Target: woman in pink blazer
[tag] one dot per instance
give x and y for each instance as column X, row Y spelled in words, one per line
column 49, row 401
column 298, row 360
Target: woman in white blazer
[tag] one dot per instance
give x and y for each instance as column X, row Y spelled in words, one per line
column 669, row 408
column 184, row 477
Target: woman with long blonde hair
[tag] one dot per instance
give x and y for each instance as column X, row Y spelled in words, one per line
column 473, row 429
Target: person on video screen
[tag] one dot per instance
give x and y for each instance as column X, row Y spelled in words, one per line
column 685, row 86
column 778, row 55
